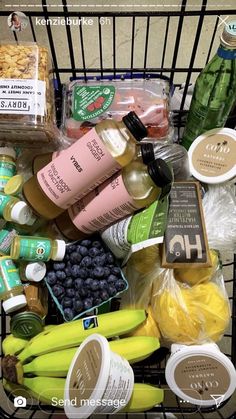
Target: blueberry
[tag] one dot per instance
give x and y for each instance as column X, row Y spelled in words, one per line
column 85, row 243
column 86, row 262
column 109, row 258
column 83, row 273
column 51, row 275
column 77, row 294
column 98, row 272
column 68, row 283
column 75, row 269
column 67, row 302
column 67, row 271
column 58, row 266
column 97, row 244
column 51, row 280
column 94, row 285
column 96, row 294
column 93, row 252
column 97, row 301
column 60, row 275
column 84, row 292
column 58, row 290
column 82, row 250
column 69, row 314
column 120, row 285
column 88, row 282
column 66, row 258
column 78, row 283
column 78, row 306
column 112, row 278
column 88, row 303
column 70, row 292
column 104, row 295
column 60, row 298
column 99, row 260
column 75, row 257
column 115, row 270
column 102, row 284
column 107, row 271
column 111, row 290
column 71, row 248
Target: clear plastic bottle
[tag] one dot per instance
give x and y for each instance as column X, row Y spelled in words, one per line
column 135, row 187
column 214, row 91
column 12, row 209
column 7, row 165
column 33, row 271
column 37, row 249
column 174, row 154
column 84, row 165
column 11, row 288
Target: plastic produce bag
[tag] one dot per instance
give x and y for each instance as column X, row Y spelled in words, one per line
column 219, row 206
column 191, row 315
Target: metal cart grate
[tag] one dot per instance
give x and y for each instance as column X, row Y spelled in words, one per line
column 73, row 62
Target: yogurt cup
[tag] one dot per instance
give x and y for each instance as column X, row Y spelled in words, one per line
column 212, row 156
column 200, row 374
column 98, row 380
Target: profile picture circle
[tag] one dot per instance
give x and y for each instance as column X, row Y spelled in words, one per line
column 17, row 21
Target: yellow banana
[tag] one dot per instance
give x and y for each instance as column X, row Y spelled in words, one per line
column 16, row 389
column 51, row 390
column 56, row 364
column 73, row 333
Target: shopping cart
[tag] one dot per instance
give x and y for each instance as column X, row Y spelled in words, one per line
column 168, row 66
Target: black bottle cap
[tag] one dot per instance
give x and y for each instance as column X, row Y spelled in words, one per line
column 147, row 151
column 160, row 173
column 135, row 126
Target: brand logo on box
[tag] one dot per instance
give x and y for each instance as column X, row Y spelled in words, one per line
column 90, row 323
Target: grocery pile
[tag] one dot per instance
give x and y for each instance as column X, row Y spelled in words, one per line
column 109, row 229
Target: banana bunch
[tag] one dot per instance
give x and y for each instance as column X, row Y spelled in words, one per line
column 47, row 357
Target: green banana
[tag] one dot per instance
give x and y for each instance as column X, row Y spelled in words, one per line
column 73, row 333
column 56, row 364
column 50, row 390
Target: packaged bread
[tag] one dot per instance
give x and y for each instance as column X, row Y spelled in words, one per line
column 27, row 116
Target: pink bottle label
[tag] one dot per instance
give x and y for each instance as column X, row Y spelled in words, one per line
column 103, row 206
column 77, row 170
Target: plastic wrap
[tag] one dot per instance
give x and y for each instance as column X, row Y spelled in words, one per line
column 191, row 315
column 219, row 207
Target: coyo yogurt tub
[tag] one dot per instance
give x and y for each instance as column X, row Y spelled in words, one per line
column 98, row 380
column 200, row 374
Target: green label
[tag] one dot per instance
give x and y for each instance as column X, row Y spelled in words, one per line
column 4, row 199
column 6, row 238
column 9, row 276
column 91, row 101
column 149, row 224
column 35, row 249
column 7, row 170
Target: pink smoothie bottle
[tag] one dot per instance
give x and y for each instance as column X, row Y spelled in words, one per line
column 83, row 166
column 135, row 187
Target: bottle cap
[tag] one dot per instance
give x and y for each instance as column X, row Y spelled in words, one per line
column 14, row 185
column 160, row 173
column 21, row 213
column 135, row 125
column 147, row 151
column 8, row 151
column 35, row 271
column 26, row 325
column 228, row 37
column 61, row 250
column 14, row 303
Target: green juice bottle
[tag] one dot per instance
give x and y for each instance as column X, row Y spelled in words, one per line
column 215, row 89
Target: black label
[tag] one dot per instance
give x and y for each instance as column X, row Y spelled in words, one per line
column 185, row 240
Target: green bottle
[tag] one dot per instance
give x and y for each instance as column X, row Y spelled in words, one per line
column 215, row 89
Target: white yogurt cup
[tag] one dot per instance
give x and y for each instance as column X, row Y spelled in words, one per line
column 200, row 374
column 98, row 380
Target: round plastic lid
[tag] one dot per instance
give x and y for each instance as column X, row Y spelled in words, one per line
column 102, row 378
column 26, row 325
column 217, row 374
column 212, row 156
column 8, row 151
column 14, row 185
column 14, row 303
column 35, row 271
column 21, row 213
column 61, row 250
